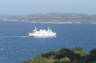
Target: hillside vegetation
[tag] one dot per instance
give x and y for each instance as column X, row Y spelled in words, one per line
column 65, row 55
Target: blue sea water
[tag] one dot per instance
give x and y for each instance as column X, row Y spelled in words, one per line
column 16, row 46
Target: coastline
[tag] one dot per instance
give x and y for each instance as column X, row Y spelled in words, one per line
column 53, row 18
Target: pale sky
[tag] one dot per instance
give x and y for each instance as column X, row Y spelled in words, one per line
column 25, row 7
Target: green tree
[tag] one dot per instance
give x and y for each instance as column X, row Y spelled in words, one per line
column 80, row 51
column 65, row 60
column 92, row 56
column 40, row 59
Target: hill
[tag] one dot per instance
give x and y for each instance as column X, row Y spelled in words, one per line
column 54, row 18
column 65, row 55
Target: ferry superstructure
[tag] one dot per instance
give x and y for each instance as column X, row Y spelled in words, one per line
column 43, row 33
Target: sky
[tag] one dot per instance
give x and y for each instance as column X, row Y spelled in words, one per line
column 25, row 7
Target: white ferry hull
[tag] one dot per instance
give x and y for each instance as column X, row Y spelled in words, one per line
column 42, row 35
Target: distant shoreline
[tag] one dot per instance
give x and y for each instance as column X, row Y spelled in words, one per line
column 44, row 22
column 54, row 18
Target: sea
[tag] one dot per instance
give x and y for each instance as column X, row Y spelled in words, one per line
column 16, row 46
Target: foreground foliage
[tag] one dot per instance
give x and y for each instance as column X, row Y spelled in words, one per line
column 64, row 55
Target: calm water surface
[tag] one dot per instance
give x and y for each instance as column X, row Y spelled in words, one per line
column 15, row 47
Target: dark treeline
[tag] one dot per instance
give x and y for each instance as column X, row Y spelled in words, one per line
column 65, row 55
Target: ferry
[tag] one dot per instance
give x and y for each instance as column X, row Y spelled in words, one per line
column 42, row 33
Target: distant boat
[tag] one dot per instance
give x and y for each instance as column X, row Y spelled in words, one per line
column 42, row 33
